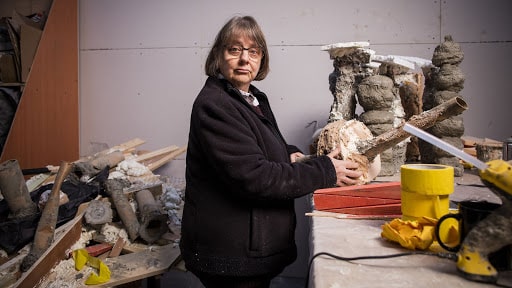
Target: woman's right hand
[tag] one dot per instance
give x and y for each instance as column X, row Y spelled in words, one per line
column 346, row 173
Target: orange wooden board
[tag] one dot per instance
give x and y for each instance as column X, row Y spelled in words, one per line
column 390, row 190
column 370, row 199
column 341, row 201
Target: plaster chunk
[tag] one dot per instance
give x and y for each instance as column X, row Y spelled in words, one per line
column 339, row 50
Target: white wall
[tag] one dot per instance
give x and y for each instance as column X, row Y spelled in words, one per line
column 141, row 63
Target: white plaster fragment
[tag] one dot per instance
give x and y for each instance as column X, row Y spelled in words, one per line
column 345, row 45
column 346, row 48
column 394, row 60
column 411, row 62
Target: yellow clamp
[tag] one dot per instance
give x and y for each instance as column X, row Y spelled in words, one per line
column 82, row 258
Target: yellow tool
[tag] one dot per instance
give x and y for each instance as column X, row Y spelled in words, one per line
column 495, row 231
column 492, row 233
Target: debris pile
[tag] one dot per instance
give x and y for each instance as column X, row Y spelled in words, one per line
column 113, row 206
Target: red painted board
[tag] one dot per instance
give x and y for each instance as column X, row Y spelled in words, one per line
column 390, row 190
column 328, row 201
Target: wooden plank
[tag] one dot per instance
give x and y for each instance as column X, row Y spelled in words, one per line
column 135, row 266
column 131, row 144
column 118, row 247
column 167, row 158
column 156, row 153
column 71, row 232
column 349, row 216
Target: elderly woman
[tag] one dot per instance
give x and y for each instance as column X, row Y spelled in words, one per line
column 242, row 178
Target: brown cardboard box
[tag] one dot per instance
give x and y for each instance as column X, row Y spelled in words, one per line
column 29, row 33
column 7, row 68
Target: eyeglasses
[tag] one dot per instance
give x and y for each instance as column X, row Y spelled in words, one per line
column 255, row 53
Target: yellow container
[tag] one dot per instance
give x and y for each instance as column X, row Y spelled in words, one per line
column 425, row 190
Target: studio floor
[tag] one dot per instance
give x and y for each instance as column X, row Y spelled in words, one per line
column 180, row 279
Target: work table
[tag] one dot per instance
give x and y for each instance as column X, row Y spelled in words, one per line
column 362, row 237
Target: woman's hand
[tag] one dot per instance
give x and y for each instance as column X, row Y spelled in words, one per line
column 295, row 156
column 346, row 174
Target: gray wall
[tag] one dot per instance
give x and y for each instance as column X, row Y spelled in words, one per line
column 141, row 63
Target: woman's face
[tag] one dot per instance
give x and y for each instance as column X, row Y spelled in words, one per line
column 241, row 62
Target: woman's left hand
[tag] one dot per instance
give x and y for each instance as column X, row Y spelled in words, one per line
column 295, row 156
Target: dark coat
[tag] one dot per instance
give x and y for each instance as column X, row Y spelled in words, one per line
column 239, row 216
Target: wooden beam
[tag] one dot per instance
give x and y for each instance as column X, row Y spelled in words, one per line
column 71, row 232
column 160, row 162
column 156, row 153
column 140, row 265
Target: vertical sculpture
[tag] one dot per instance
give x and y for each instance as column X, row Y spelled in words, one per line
column 350, row 67
column 444, row 82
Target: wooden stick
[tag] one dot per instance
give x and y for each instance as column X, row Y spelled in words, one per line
column 159, row 152
column 350, row 216
column 45, row 231
column 373, row 147
column 55, row 253
column 157, row 164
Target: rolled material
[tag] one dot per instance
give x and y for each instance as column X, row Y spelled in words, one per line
column 15, row 190
column 45, row 231
column 153, row 223
column 98, row 212
column 114, row 188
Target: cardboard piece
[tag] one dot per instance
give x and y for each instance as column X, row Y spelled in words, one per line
column 29, row 33
column 24, row 7
column 8, row 69
column 29, row 40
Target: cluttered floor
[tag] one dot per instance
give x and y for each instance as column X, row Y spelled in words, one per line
column 102, row 220
column 89, row 244
column 187, row 280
